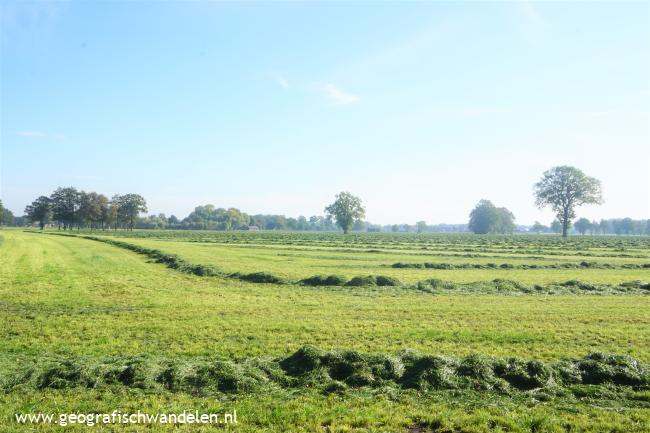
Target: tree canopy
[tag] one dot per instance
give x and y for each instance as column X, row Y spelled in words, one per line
column 583, row 225
column 39, row 211
column 129, row 206
column 564, row 188
column 346, row 209
column 487, row 218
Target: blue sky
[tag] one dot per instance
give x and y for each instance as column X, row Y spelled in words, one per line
column 421, row 109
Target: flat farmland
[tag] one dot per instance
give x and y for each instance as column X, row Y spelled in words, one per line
column 304, row 357
column 296, row 259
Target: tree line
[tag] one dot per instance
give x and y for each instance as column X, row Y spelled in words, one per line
column 209, row 217
column 614, row 226
column 68, row 208
column 562, row 188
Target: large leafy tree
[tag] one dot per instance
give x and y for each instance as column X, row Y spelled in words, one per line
column 129, row 207
column 487, row 218
column 40, row 210
column 90, row 208
column 346, row 209
column 65, row 206
column 564, row 188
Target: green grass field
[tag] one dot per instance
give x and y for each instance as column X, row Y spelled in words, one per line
column 79, row 299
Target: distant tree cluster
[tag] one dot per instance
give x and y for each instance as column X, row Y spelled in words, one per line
column 280, row 222
column 209, row 217
column 68, row 208
column 620, row 226
column 487, row 218
column 419, row 227
column 617, row 226
column 6, row 216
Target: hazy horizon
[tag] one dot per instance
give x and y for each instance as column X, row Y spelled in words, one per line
column 420, row 109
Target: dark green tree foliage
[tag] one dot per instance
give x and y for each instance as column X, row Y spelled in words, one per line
column 209, row 217
column 104, row 210
column 563, row 189
column 93, row 209
column 7, row 217
column 487, row 218
column 39, row 211
column 65, row 205
column 583, row 225
column 129, row 207
column 346, row 209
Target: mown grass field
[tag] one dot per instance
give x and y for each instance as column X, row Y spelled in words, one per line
column 79, row 298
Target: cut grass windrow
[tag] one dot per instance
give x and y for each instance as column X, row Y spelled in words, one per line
column 580, row 265
column 496, row 286
column 335, row 372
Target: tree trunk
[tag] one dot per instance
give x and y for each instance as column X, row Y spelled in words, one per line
column 565, row 223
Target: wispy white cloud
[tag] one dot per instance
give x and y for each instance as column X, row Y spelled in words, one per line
column 31, row 134
column 39, row 134
column 24, row 20
column 478, row 111
column 281, row 80
column 340, row 96
column 531, row 23
column 609, row 113
column 531, row 13
column 470, row 111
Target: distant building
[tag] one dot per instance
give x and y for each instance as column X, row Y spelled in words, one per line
column 250, row 228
